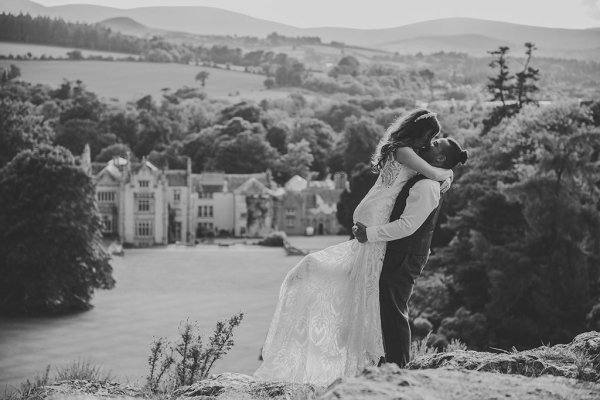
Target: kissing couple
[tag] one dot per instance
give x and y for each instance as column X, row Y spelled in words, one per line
column 345, row 307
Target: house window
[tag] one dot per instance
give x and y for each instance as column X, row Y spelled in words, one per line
column 177, row 195
column 290, row 217
column 143, row 205
column 106, row 197
column 107, row 223
column 144, row 184
column 143, row 229
column 144, row 202
column 205, row 195
column 205, row 211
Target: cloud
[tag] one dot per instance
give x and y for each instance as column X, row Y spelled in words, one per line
column 592, row 8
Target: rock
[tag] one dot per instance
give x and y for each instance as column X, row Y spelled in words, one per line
column 588, row 343
column 391, row 382
column 88, row 390
column 230, row 385
column 578, row 359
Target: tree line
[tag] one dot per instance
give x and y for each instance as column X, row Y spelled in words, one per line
column 24, row 28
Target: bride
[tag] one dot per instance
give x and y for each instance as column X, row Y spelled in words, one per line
column 327, row 322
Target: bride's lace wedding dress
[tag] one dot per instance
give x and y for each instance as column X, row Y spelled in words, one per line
column 327, row 324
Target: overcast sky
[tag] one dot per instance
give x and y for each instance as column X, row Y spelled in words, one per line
column 388, row 13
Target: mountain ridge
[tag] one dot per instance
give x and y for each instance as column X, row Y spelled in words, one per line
column 434, row 33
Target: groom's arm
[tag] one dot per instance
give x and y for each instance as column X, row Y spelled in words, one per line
column 422, row 199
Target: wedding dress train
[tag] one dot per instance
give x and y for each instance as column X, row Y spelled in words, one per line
column 327, row 323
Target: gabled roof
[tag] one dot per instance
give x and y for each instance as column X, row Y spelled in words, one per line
column 296, row 184
column 252, row 186
column 136, row 167
column 236, row 180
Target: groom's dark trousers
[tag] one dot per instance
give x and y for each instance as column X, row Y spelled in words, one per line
column 404, row 260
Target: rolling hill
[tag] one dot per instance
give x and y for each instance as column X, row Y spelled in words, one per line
column 451, row 34
column 128, row 26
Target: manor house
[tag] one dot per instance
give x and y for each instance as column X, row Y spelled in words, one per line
column 143, row 205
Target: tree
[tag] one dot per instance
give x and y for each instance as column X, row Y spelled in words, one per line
column 20, row 129
column 500, row 86
column 320, row 136
column 348, row 65
column 200, row 147
column 277, row 136
column 114, row 150
column 202, row 76
column 503, row 89
column 51, row 257
column 75, row 55
column 525, row 85
column 269, row 83
column 296, row 161
column 248, row 152
column 427, row 76
column 527, row 245
column 9, row 74
column 245, row 110
column 76, row 133
column 360, row 140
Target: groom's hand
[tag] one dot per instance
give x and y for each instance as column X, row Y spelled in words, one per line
column 360, row 232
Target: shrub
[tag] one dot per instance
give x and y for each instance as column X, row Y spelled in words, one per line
column 274, row 239
column 189, row 360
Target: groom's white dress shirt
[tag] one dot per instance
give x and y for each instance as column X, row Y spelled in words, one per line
column 422, row 199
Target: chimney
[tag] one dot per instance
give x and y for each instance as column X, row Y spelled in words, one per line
column 86, row 159
column 340, row 180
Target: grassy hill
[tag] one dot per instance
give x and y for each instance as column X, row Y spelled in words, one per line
column 127, row 81
column 128, row 26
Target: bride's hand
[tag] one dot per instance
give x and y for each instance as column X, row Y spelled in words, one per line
column 446, row 184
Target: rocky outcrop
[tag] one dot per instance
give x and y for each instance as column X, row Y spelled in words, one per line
column 570, row 371
column 391, row 382
column 230, row 385
column 579, row 359
column 88, row 390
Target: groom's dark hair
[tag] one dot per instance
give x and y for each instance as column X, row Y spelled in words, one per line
column 456, row 155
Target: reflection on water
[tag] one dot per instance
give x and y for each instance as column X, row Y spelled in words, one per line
column 156, row 289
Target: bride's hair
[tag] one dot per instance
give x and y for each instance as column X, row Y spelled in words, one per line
column 416, row 129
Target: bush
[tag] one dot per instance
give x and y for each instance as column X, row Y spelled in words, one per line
column 274, row 239
column 189, row 360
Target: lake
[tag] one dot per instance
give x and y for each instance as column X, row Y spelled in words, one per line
column 156, row 290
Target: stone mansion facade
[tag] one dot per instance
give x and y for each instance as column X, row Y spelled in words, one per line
column 143, row 205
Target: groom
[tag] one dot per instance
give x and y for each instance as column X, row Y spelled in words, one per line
column 409, row 234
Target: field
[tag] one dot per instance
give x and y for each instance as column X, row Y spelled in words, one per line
column 22, row 49
column 129, row 81
column 156, row 290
